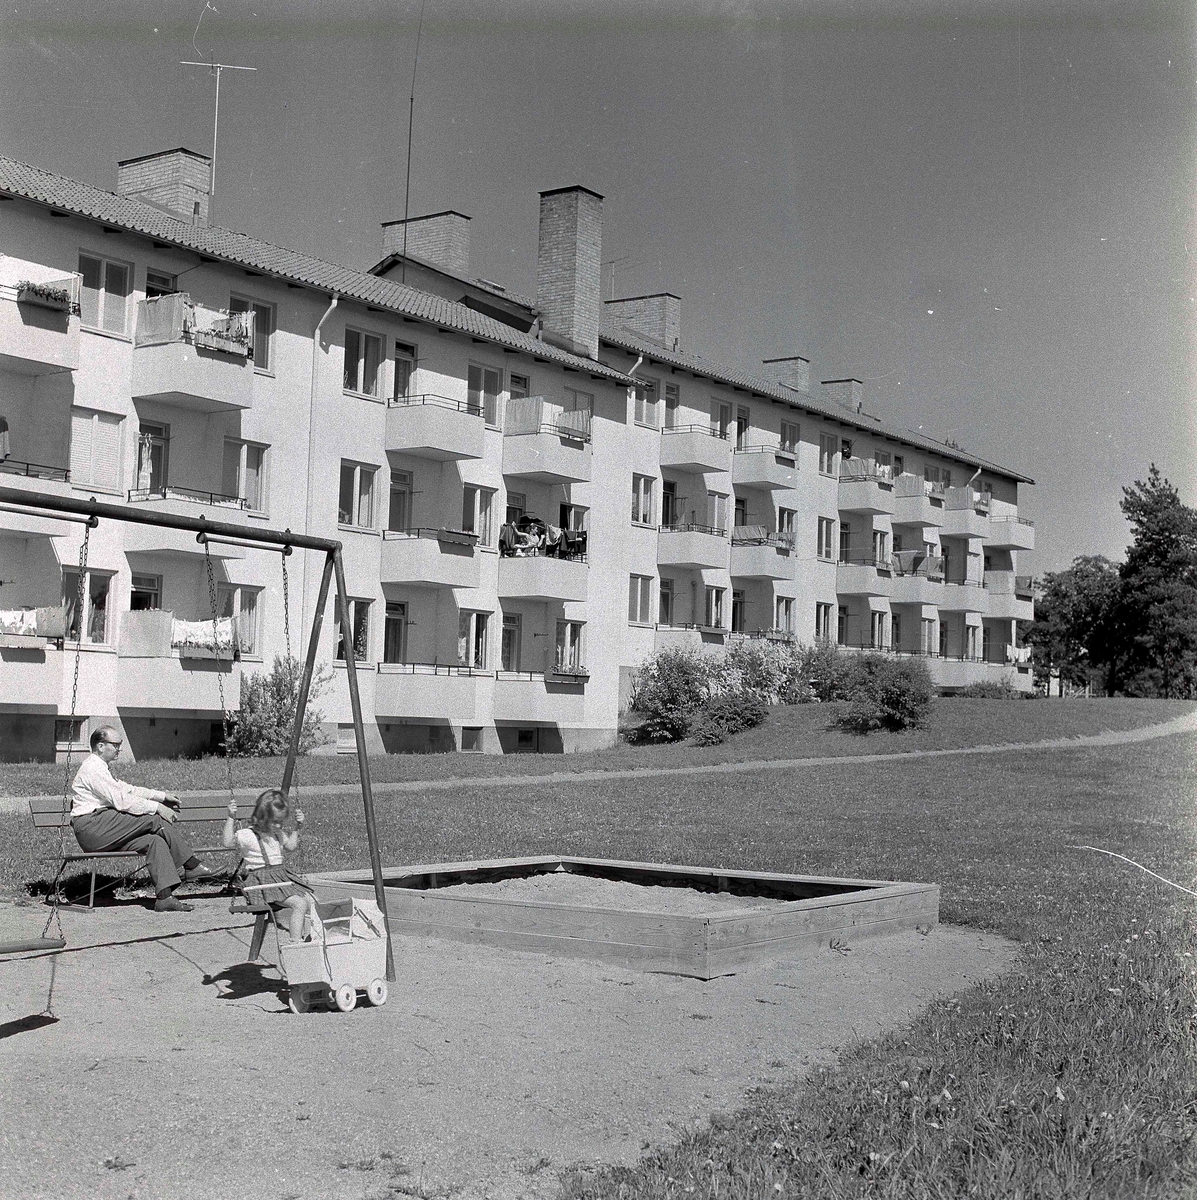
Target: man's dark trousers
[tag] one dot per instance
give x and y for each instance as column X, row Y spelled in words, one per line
column 165, row 849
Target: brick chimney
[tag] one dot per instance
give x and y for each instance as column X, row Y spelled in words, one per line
column 845, row 392
column 568, row 268
column 792, row 372
column 442, row 239
column 657, row 317
column 177, row 181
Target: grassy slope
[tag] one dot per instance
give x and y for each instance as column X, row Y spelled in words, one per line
column 788, row 733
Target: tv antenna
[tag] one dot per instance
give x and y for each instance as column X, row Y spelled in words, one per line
column 411, row 116
column 215, row 68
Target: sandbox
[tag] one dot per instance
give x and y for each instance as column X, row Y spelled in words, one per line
column 697, row 921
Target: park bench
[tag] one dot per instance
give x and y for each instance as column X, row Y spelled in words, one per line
column 47, row 813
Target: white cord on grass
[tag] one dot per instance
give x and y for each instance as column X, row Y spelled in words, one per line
column 1132, row 862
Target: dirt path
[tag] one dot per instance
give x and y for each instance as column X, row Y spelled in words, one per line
column 485, row 1075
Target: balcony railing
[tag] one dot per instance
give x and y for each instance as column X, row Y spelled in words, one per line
column 723, row 434
column 667, row 625
column 784, row 451
column 759, row 535
column 162, row 320
column 536, row 414
column 1012, row 521
column 543, row 542
column 462, row 406
column 1024, row 586
column 14, row 466
column 59, row 295
column 966, row 497
column 190, row 495
column 917, row 562
column 691, row 527
column 881, row 561
column 433, row 668
column 862, row 470
column 460, row 537
column 911, row 485
column 767, row 635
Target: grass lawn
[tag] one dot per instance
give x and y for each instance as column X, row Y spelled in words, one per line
column 789, row 732
column 1076, row 1076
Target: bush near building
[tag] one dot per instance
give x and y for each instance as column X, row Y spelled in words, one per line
column 262, row 725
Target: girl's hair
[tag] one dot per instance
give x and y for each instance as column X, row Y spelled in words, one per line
column 270, row 809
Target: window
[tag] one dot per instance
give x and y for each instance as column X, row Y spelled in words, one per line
column 789, row 437
column 359, row 615
column 471, row 739
column 841, row 625
column 895, row 630
column 743, row 425
column 672, row 404
column 517, row 506
column 146, row 593
column 355, row 504
column 394, row 633
column 159, row 283
column 927, row 636
column 737, row 613
column 405, row 369
column 642, row 499
column 104, row 302
column 713, row 614
column 363, row 354
column 845, row 542
column 471, row 639
column 943, row 640
column 399, row 515
column 845, row 448
column 883, row 463
column 665, row 610
column 899, row 465
column 96, row 449
column 567, row 655
column 646, row 402
column 527, row 740
column 741, row 517
column 721, row 415
column 477, row 505
column 263, row 328
column 822, row 622
column 94, row 618
column 783, row 614
column 717, row 512
column 826, row 454
column 576, row 401
column 671, row 509
column 70, row 732
column 877, row 630
column 787, row 522
column 937, row 476
column 153, row 456
column 485, row 384
column 573, row 516
column 244, row 473
column 880, row 547
column 826, row 535
column 897, row 543
column 242, row 604
column 509, row 644
column 970, row 641
column 986, row 643
column 519, row 386
column 640, row 603
column 945, row 551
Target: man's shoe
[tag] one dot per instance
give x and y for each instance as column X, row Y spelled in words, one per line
column 170, row 904
column 195, row 874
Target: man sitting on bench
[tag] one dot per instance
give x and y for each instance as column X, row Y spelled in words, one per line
column 107, row 814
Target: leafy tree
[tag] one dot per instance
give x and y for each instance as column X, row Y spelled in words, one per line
column 262, row 725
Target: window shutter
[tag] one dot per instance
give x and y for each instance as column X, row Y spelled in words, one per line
column 89, row 305
column 81, row 444
column 116, row 289
column 230, row 479
column 106, row 451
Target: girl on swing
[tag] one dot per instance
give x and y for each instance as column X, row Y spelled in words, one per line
column 263, row 846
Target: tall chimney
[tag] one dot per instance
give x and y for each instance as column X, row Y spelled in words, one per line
column 442, row 239
column 657, row 317
column 178, row 181
column 792, row 372
column 568, row 268
column 845, row 392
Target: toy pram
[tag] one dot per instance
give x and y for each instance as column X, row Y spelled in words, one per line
column 347, row 954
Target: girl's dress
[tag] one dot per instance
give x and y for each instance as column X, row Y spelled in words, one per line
column 262, row 857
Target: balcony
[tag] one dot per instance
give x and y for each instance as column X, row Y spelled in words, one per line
column 867, row 576
column 697, row 547
column 437, row 692
column 182, row 502
column 545, row 442
column 917, row 501
column 16, row 521
column 548, row 697
column 695, row 448
column 191, row 356
column 1010, row 533
column 1011, row 597
column 444, row 558
column 964, row 596
column 32, row 628
column 865, row 488
column 171, row 664
column 764, row 468
column 31, row 678
column 758, row 553
column 918, row 577
column 707, row 638
column 39, row 318
column 435, row 427
column 966, row 513
column 540, row 576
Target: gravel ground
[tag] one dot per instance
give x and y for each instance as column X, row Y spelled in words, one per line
column 176, row 1071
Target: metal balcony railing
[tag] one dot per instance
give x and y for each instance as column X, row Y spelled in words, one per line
column 162, row 320
column 785, row 451
column 759, row 535
column 722, row 434
column 917, row 562
column 692, row 527
column 457, row 536
column 14, row 466
column 191, row 495
column 59, row 295
column 430, row 398
column 433, row 668
column 881, row 561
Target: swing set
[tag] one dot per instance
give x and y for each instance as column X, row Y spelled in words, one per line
column 89, row 513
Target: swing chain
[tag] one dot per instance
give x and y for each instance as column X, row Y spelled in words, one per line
column 224, row 712
column 291, row 668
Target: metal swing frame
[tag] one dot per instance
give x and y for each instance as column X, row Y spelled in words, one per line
column 263, row 538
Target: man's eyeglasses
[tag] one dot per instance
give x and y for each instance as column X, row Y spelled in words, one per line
column 118, row 745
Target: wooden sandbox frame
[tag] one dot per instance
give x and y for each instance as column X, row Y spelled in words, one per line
column 817, row 911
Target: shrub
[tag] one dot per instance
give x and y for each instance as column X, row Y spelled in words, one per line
column 761, row 666
column 824, row 672
column 262, row 725
column 990, row 689
column 723, row 716
column 668, row 689
column 887, row 694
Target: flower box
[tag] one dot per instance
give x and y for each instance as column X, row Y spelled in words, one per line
column 45, row 295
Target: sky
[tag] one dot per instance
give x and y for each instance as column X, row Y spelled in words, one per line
column 983, row 209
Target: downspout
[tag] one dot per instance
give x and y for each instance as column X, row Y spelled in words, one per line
column 307, row 509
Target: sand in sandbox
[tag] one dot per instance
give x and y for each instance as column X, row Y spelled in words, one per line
column 586, row 891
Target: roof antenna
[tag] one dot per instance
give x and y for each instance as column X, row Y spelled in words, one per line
column 411, row 112
column 214, row 68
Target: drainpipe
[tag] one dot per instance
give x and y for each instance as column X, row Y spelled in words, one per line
column 307, row 510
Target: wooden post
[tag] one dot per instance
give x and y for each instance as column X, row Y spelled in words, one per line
column 305, row 680
column 363, row 764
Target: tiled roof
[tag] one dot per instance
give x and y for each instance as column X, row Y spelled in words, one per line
column 623, row 338
column 224, row 245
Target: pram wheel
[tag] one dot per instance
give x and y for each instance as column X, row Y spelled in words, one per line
column 345, row 998
column 376, row 992
column 299, row 999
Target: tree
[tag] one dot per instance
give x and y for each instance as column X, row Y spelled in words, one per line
column 1156, row 615
column 1072, row 632
column 262, row 725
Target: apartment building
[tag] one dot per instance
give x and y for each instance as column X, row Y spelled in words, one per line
column 531, row 494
